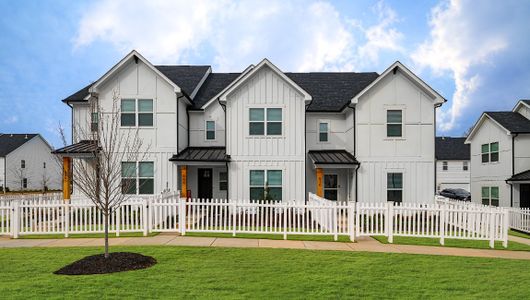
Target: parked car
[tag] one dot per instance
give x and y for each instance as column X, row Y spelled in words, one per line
column 458, row 194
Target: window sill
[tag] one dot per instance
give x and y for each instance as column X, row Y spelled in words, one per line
column 395, row 139
column 265, row 137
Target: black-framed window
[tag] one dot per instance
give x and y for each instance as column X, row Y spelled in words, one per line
column 394, row 123
column 44, row 165
column 323, row 131
column 94, row 119
column 137, row 111
column 331, row 186
column 210, row 130
column 394, row 187
column 444, row 166
column 223, row 181
column 490, row 195
column 465, row 166
column 137, row 177
column 490, row 152
column 24, row 183
column 23, row 164
column 265, row 121
column 266, row 185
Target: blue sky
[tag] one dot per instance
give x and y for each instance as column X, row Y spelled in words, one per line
column 475, row 53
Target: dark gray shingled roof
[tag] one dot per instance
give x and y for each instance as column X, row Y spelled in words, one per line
column 186, row 77
column 10, row 142
column 523, row 176
column 211, row 154
column 452, row 148
column 83, row 147
column 332, row 91
column 526, row 101
column 512, row 121
column 212, row 86
column 332, row 157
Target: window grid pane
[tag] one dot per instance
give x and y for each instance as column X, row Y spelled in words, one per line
column 257, row 128
column 147, row 169
column 274, row 114
column 274, row 178
column 274, row 128
column 256, row 114
column 394, row 116
column 393, row 130
column 128, row 105
column 257, row 178
column 145, row 119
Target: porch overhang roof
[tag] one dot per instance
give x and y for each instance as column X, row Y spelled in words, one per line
column 523, row 177
column 82, row 149
column 332, row 159
column 191, row 155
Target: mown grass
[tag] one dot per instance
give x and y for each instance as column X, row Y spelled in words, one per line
column 85, row 235
column 514, row 246
column 323, row 238
column 519, row 234
column 232, row 273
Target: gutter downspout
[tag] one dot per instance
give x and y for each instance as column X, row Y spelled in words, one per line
column 513, row 167
column 434, row 142
column 223, row 106
column 354, row 111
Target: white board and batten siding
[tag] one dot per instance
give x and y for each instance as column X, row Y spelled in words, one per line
column 213, row 112
column 454, row 177
column 491, row 174
column 139, row 81
column 412, row 154
column 265, row 88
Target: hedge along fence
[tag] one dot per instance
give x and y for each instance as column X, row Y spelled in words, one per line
column 319, row 216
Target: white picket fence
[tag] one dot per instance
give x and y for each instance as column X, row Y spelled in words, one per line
column 170, row 213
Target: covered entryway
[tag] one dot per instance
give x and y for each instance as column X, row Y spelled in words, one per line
column 203, row 172
column 331, row 174
column 521, row 185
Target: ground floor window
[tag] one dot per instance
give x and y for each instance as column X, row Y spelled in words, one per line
column 266, row 185
column 394, row 187
column 24, row 183
column 331, row 186
column 223, row 181
column 490, row 195
column 138, row 177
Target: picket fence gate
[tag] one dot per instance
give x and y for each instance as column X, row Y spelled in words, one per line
column 319, row 216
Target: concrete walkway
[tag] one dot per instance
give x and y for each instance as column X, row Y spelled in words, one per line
column 365, row 244
column 519, row 240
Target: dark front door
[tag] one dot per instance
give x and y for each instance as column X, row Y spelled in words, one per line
column 525, row 195
column 205, row 183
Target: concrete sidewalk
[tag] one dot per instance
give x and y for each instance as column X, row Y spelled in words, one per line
column 366, row 244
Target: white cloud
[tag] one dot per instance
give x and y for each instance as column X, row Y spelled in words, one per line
column 297, row 35
column 12, row 119
column 464, row 40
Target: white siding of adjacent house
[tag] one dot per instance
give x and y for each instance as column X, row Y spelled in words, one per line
column 491, row 174
column 454, row 176
column 35, row 152
column 524, row 110
column 287, row 152
column 412, row 155
column 2, row 173
column 138, row 81
column 80, row 122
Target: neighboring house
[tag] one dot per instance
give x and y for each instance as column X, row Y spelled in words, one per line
column 263, row 133
column 27, row 164
column 452, row 163
column 500, row 157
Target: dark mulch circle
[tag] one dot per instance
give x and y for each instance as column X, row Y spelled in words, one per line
column 117, row 262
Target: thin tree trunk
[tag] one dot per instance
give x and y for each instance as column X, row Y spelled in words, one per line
column 107, row 233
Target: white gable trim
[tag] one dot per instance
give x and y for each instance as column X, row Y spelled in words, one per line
column 121, row 63
column 519, row 104
column 197, row 88
column 438, row 99
column 227, row 87
column 265, row 62
column 479, row 123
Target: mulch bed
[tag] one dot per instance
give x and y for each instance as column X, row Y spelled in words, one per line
column 117, row 262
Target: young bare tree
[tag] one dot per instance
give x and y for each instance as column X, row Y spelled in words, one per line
column 18, row 174
column 99, row 177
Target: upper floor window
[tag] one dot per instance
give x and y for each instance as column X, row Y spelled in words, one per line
column 265, row 121
column 490, row 195
column 394, row 123
column 137, row 111
column 323, row 131
column 22, row 164
column 444, row 166
column 137, row 177
column 266, row 185
column 223, row 181
column 465, row 166
column 210, row 130
column 94, row 121
column 394, row 187
column 44, row 165
column 490, row 152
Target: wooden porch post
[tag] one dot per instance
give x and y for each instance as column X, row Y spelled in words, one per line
column 67, row 165
column 183, row 181
column 320, row 183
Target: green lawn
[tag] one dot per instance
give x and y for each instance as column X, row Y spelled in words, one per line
column 188, row 272
column 452, row 243
column 325, row 238
column 86, row 235
column 519, row 234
